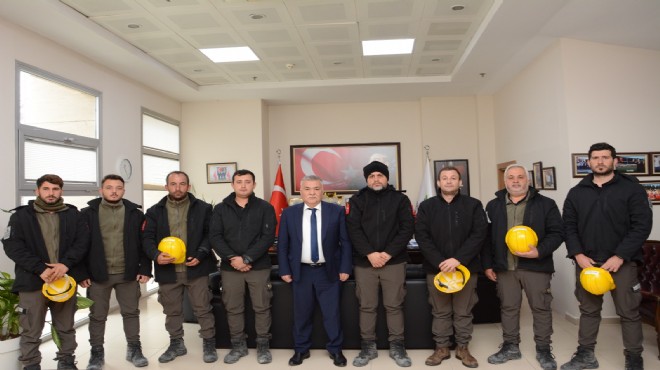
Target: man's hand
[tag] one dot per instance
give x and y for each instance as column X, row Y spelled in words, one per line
column 192, row 261
column 287, row 278
column 142, row 279
column 490, row 274
column 238, row 264
column 58, row 270
column 378, row 259
column 449, row 265
column 164, row 259
column 85, row 283
column 584, row 261
column 613, row 264
column 532, row 253
column 343, row 276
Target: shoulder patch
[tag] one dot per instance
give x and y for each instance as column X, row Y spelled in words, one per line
column 7, row 233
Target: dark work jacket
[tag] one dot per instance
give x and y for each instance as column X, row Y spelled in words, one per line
column 380, row 221
column 24, row 244
column 156, row 227
column 135, row 260
column 541, row 215
column 613, row 220
column 451, row 230
column 247, row 232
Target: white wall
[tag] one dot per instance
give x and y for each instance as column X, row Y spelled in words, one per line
column 122, row 101
column 573, row 95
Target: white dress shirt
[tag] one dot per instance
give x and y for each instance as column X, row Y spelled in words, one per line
column 306, row 256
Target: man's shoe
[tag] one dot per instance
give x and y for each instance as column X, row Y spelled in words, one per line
column 96, row 359
column 134, row 354
column 238, row 350
column 508, row 351
column 263, row 351
column 209, row 354
column 398, row 353
column 440, row 354
column 545, row 358
column 367, row 353
column 338, row 359
column 32, row 367
column 176, row 349
column 463, row 354
column 66, row 362
column 584, row 358
column 298, row 358
column 634, row 362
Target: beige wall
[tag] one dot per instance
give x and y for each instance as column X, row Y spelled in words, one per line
column 575, row 94
column 121, row 105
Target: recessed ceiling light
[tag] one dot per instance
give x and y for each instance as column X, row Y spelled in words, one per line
column 457, row 7
column 198, row 70
column 337, row 63
column 387, row 47
column 235, row 54
column 133, row 25
column 435, row 59
column 256, row 17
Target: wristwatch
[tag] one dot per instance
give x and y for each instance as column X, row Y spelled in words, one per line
column 246, row 260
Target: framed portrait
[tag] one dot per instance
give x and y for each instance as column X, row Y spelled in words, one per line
column 340, row 165
column 652, row 190
column 461, row 165
column 537, row 168
column 549, row 180
column 217, row 173
column 655, row 164
column 580, row 164
column 531, row 178
column 633, row 163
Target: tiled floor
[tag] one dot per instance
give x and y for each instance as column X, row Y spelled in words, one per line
column 485, row 341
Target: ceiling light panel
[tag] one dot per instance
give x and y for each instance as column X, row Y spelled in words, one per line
column 387, row 47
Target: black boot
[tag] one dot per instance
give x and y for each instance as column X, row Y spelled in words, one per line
column 176, row 349
column 66, row 362
column 96, row 359
column 134, row 354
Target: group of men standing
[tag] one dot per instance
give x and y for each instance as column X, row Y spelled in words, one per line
column 111, row 245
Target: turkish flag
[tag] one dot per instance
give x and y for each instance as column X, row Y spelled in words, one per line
column 278, row 197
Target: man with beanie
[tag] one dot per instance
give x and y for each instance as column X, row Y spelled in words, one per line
column 380, row 223
column 450, row 231
column 181, row 215
column 116, row 261
column 242, row 229
column 46, row 239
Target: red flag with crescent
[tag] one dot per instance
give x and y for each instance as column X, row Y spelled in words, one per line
column 278, row 197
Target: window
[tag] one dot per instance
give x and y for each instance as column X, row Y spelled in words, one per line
column 58, row 132
column 160, row 155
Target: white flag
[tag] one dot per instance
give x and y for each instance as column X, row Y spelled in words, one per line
column 427, row 189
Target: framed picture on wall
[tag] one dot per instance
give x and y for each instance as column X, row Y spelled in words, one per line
column 217, row 173
column 537, row 167
column 549, row 181
column 340, row 165
column 531, row 178
column 633, row 163
column 652, row 190
column 580, row 164
column 655, row 164
column 461, row 165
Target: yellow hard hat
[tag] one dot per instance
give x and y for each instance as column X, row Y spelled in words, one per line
column 452, row 282
column 596, row 280
column 175, row 247
column 60, row 290
column 519, row 238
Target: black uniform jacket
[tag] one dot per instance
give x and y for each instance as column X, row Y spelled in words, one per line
column 380, row 221
column 247, row 232
column 156, row 227
column 451, row 230
column 24, row 244
column 613, row 220
column 541, row 215
column 136, row 261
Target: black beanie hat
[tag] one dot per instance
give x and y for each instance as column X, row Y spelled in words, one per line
column 376, row 166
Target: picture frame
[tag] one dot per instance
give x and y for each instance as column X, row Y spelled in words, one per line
column 530, row 176
column 537, row 168
column 654, row 163
column 340, row 165
column 636, row 164
column 652, row 190
column 218, row 173
column 580, row 164
column 461, row 165
column 549, row 178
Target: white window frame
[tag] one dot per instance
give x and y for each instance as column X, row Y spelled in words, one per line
column 25, row 133
column 158, row 152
